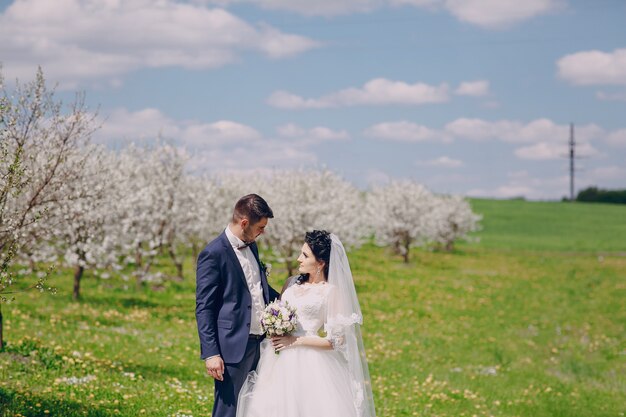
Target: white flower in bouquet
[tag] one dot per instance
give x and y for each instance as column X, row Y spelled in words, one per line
column 279, row 319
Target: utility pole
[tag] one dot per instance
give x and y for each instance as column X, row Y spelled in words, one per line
column 572, row 144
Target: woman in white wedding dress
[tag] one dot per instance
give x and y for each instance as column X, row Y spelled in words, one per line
column 321, row 369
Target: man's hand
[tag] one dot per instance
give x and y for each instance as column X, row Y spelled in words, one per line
column 215, row 367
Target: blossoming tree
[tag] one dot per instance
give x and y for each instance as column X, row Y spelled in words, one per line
column 401, row 215
column 454, row 219
column 38, row 139
column 307, row 200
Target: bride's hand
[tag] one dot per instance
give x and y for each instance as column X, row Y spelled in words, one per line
column 283, row 342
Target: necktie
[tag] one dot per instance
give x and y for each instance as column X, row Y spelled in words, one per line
column 245, row 245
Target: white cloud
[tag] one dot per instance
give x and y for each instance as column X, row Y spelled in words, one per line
column 219, row 146
column 594, row 67
column 305, row 7
column 521, row 184
column 611, row 177
column 311, row 136
column 617, row 138
column 553, row 150
column 547, row 136
column 473, row 88
column 403, row 131
column 148, row 124
column 539, row 130
column 432, row 4
column 222, row 131
column 379, row 91
column 542, row 151
column 443, row 161
column 491, row 14
column 604, row 96
column 268, row 154
column 606, row 174
column 122, row 125
column 92, row 40
column 497, row 14
column 478, row 129
column 287, row 100
column 545, row 139
column 276, row 44
column 505, row 191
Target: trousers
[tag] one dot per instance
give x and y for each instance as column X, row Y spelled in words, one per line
column 235, row 374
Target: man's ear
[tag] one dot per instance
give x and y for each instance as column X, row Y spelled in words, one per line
column 244, row 223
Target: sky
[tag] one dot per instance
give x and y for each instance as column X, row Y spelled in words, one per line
column 471, row 97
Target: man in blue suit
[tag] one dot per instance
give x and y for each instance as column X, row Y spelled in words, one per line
column 231, row 292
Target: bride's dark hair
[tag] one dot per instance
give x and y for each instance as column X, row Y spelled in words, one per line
column 320, row 242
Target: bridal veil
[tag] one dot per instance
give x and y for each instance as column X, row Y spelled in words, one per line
column 343, row 327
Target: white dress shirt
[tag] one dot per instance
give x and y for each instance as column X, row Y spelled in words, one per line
column 252, row 273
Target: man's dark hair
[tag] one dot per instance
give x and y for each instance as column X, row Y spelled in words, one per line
column 252, row 207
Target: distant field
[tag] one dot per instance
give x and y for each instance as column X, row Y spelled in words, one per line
column 554, row 226
column 530, row 322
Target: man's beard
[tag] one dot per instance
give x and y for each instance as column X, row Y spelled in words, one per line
column 247, row 235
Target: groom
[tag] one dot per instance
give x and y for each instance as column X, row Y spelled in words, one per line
column 231, row 291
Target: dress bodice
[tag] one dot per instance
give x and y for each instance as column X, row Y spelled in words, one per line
column 310, row 301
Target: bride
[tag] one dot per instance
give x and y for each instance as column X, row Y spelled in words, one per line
column 321, row 369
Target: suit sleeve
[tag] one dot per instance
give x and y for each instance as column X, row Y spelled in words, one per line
column 273, row 294
column 288, row 283
column 207, row 303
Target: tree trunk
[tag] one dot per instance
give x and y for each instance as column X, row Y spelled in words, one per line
column 138, row 257
column 177, row 263
column 141, row 273
column 78, row 274
column 194, row 254
column 138, row 280
column 290, row 267
column 139, row 267
column 1, row 333
column 406, row 253
column 450, row 246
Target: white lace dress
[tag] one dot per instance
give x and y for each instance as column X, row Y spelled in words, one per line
column 301, row 381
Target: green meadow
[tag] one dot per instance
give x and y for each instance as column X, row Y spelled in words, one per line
column 530, row 320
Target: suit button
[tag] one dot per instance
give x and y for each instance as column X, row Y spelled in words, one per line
column 248, row 324
column 249, row 307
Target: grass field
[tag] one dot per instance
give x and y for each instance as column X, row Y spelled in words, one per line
column 530, row 321
column 552, row 226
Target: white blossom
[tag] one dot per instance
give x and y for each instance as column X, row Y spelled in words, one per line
column 401, row 215
column 454, row 219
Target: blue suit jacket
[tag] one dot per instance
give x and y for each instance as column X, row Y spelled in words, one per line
column 223, row 301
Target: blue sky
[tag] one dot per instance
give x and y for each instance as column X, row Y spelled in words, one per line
column 466, row 96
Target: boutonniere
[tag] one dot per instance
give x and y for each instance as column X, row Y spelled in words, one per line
column 267, row 268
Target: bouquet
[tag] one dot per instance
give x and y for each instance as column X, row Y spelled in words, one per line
column 279, row 319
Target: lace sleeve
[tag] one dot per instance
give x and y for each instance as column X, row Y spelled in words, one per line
column 339, row 327
column 336, row 338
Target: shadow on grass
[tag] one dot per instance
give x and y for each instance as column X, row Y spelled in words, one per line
column 12, row 404
column 116, row 301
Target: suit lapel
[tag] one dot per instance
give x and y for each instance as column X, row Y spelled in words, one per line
column 264, row 284
column 233, row 258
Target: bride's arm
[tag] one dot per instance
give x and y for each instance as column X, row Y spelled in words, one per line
column 283, row 342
